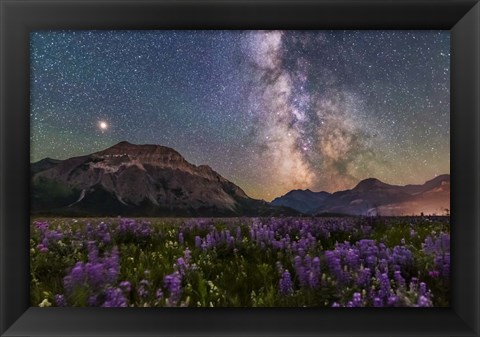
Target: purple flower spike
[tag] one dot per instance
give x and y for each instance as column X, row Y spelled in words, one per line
column 423, row 301
column 60, row 301
column 126, row 286
column 377, row 302
column 114, row 298
column 173, row 283
column 285, row 284
column 198, row 242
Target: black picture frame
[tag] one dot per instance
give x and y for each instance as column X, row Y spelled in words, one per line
column 19, row 17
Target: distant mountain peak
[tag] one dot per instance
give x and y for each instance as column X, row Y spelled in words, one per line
column 370, row 183
column 439, row 178
column 307, row 190
column 304, row 201
column 297, row 191
column 130, row 148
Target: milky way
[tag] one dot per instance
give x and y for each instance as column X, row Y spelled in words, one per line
column 271, row 111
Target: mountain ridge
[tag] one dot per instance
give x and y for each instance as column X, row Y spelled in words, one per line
column 130, row 179
column 304, row 201
column 150, row 179
column 374, row 197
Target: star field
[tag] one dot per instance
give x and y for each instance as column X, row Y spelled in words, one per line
column 270, row 111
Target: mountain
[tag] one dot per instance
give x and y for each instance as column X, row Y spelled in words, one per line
column 43, row 165
column 374, row 197
column 429, row 185
column 304, row 201
column 138, row 180
column 431, row 198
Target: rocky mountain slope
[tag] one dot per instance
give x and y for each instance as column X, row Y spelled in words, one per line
column 138, row 180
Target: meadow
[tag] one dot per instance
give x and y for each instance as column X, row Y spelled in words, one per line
column 240, row 262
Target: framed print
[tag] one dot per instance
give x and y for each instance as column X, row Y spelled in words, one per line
column 251, row 168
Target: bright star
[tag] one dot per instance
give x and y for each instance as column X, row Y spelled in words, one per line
column 103, row 125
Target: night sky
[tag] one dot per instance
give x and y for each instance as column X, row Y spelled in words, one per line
column 270, row 111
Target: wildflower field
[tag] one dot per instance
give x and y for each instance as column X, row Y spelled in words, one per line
column 241, row 262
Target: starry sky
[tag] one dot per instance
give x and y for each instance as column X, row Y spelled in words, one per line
column 270, row 111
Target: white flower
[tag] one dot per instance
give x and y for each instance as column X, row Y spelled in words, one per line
column 45, row 303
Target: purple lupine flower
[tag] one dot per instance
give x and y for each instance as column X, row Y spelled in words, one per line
column 47, row 236
column 92, row 251
column 41, row 225
column 181, row 266
column 392, row 301
column 445, row 268
column 126, row 286
column 114, row 298
column 422, row 290
column 285, row 284
column 423, row 301
column 352, row 259
column 92, row 301
column 301, row 250
column 106, row 238
column 385, row 289
column 130, row 228
column 401, row 256
column 439, row 249
column 94, row 276
column 99, row 233
column 334, row 263
column 111, row 264
column 383, row 266
column 88, row 228
column 413, row 284
column 173, row 283
column 300, row 271
column 314, row 274
column 60, row 300
column 357, row 300
column 142, row 290
column 53, row 235
column 239, row 234
column 180, row 239
column 187, row 255
column 399, row 280
column 42, row 248
column 307, row 261
column 230, row 241
column 377, row 302
column 363, row 278
column 75, row 277
column 198, row 242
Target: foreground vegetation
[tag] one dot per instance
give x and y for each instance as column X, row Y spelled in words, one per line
column 248, row 262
